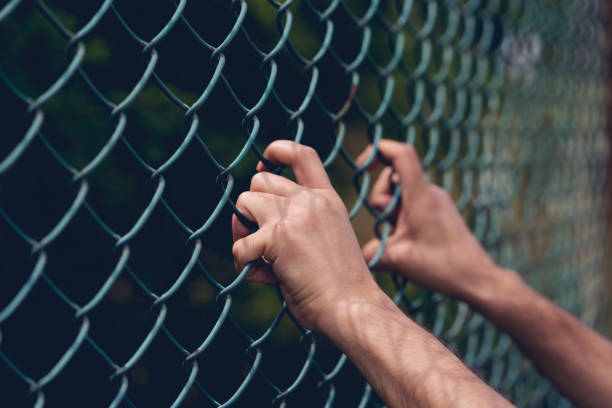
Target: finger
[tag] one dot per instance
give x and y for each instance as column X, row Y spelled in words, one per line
column 239, row 230
column 404, row 160
column 395, row 178
column 260, row 272
column 363, row 157
column 273, row 184
column 398, row 153
column 370, row 250
column 258, row 207
column 303, row 160
column 381, row 193
column 252, row 247
column 382, row 204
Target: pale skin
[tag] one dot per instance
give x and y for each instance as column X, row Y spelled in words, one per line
column 305, row 243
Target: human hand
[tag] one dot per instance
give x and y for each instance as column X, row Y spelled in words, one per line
column 305, row 241
column 430, row 244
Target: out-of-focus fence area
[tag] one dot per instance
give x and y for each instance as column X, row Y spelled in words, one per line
column 129, row 128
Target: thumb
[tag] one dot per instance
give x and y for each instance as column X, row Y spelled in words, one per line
column 370, row 252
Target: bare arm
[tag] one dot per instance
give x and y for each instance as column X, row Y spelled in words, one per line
column 575, row 358
column 432, row 246
column 310, row 250
column 405, row 364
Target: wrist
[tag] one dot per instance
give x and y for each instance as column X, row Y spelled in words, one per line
column 499, row 293
column 340, row 318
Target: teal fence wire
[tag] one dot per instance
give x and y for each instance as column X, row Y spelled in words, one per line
column 130, row 128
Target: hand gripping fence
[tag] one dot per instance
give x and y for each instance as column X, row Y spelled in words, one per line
column 503, row 99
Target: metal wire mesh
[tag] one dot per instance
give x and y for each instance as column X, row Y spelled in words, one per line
column 504, row 100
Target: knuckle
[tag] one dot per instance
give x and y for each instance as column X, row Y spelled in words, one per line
column 279, row 228
column 439, row 198
column 243, row 199
column 408, row 151
column 307, row 151
column 323, row 204
column 258, row 181
column 378, row 201
column 441, row 193
column 337, row 201
column 275, row 144
column 320, row 201
column 284, row 232
column 236, row 249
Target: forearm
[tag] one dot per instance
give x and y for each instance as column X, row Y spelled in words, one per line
column 404, row 364
column 574, row 357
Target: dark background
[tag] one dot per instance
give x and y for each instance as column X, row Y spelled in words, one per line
column 37, row 191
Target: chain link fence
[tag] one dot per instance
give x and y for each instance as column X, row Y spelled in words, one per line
column 130, row 129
